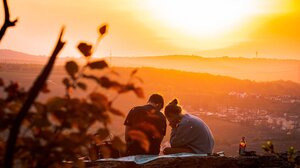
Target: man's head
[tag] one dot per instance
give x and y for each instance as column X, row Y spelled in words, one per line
column 156, row 100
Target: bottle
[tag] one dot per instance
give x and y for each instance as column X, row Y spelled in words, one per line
column 242, row 146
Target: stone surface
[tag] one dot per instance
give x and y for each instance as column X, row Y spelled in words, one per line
column 203, row 162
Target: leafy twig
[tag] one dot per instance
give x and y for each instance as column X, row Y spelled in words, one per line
column 7, row 22
column 33, row 93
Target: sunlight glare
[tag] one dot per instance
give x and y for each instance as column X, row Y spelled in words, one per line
column 203, row 18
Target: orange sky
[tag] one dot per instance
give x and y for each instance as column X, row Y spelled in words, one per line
column 214, row 28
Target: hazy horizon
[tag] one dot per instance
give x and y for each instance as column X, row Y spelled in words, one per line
column 237, row 28
column 146, row 56
column 257, row 69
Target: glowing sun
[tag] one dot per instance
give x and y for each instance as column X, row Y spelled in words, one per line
column 203, row 18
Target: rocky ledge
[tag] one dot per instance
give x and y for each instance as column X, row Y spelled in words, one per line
column 266, row 161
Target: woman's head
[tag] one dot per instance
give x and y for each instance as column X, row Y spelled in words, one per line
column 173, row 113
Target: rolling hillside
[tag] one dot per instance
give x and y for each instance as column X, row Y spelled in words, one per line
column 204, row 95
column 258, row 69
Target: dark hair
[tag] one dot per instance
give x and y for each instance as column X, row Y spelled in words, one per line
column 173, row 108
column 157, row 99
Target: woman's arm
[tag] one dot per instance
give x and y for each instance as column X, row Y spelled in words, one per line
column 183, row 135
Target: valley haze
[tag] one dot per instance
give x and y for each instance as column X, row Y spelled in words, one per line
column 257, row 69
column 257, row 98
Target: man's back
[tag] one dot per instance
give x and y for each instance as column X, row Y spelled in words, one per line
column 147, row 129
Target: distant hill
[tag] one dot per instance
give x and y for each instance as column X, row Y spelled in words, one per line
column 258, row 69
column 10, row 56
column 197, row 92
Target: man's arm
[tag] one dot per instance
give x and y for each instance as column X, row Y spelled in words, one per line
column 128, row 123
column 127, row 129
column 163, row 129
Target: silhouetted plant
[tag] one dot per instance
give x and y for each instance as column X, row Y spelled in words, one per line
column 7, row 22
column 268, row 147
column 60, row 129
column 23, row 110
column 291, row 153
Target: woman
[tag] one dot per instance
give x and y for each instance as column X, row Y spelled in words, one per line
column 189, row 133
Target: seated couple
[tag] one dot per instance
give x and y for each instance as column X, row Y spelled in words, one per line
column 146, row 127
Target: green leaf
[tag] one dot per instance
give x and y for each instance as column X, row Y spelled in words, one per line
column 265, row 148
column 128, row 87
column 72, row 68
column 117, row 143
column 45, row 88
column 102, row 134
column 40, row 108
column 66, row 82
column 1, row 82
column 116, row 112
column 85, row 49
column 114, row 72
column 92, row 77
column 55, row 103
column 2, row 103
column 139, row 92
column 291, row 150
column 134, row 72
column 269, row 143
column 103, row 29
column 99, row 99
column 82, row 85
column 105, row 82
column 40, row 120
column 139, row 79
column 98, row 64
column 14, row 106
column 54, row 120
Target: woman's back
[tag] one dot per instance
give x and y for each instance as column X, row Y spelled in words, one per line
column 192, row 132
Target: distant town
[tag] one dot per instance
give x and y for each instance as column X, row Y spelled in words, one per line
column 287, row 123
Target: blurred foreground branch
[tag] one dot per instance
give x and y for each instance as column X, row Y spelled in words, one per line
column 7, row 22
column 33, row 93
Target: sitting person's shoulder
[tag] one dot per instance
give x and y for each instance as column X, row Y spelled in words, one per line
column 190, row 119
column 141, row 108
column 188, row 116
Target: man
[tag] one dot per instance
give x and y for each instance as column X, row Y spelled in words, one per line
column 145, row 127
column 189, row 133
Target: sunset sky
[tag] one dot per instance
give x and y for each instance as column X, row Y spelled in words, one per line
column 208, row 28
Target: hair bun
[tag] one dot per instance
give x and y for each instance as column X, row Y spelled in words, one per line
column 174, row 102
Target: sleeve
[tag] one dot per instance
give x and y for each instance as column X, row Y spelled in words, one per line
column 164, row 131
column 182, row 135
column 129, row 119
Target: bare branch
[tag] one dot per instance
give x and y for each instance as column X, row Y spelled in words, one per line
column 33, row 93
column 7, row 22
